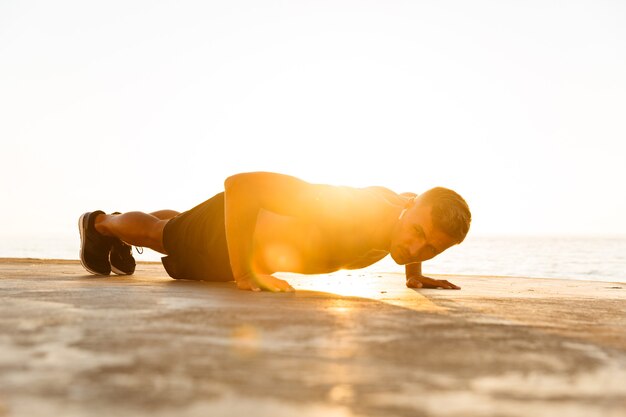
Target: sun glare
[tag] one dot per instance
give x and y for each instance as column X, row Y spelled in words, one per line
column 346, row 283
column 282, row 257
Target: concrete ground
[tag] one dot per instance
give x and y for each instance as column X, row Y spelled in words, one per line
column 352, row 344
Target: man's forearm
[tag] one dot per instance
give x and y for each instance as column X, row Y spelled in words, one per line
column 245, row 195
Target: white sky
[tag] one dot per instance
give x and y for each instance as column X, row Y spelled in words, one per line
column 143, row 105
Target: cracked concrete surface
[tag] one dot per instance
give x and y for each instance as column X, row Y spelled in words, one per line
column 350, row 344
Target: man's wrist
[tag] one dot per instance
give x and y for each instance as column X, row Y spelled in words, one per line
column 243, row 276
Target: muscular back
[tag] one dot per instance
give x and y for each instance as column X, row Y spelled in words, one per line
column 338, row 233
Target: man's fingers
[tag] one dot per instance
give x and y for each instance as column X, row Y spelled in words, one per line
column 267, row 287
column 451, row 286
column 425, row 282
column 273, row 284
column 285, row 287
column 264, row 282
column 448, row 285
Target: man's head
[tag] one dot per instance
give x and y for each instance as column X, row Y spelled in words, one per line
column 431, row 223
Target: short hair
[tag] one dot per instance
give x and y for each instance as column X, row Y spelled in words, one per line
column 450, row 212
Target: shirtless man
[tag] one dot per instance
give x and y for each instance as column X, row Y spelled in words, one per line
column 265, row 223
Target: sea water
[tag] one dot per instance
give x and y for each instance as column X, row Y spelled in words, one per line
column 583, row 258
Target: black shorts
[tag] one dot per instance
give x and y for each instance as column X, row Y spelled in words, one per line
column 195, row 242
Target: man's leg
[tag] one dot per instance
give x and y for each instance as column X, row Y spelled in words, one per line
column 136, row 228
column 165, row 214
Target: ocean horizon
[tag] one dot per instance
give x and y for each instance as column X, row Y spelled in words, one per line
column 599, row 258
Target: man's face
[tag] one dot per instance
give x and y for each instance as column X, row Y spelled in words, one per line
column 415, row 239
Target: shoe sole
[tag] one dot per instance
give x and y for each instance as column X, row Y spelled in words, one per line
column 119, row 271
column 81, row 230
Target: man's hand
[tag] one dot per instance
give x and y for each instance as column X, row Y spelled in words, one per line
column 425, row 282
column 258, row 282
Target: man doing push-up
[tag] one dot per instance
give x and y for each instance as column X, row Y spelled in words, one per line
column 263, row 223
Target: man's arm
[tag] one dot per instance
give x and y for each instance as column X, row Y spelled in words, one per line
column 415, row 279
column 246, row 194
column 244, row 197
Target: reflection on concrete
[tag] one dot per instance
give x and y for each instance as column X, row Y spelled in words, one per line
column 372, row 286
column 233, row 405
column 245, row 340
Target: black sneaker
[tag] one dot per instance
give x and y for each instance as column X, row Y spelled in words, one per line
column 94, row 247
column 121, row 257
